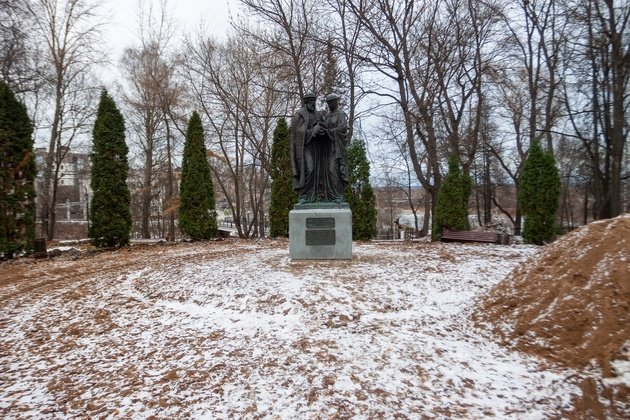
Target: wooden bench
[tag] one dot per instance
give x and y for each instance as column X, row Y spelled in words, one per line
column 469, row 236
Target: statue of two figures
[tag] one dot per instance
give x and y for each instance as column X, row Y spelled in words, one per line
column 319, row 151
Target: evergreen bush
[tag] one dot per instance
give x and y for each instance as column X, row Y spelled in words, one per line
column 110, row 215
column 451, row 209
column 283, row 197
column 538, row 195
column 17, row 176
column 359, row 193
column 197, row 215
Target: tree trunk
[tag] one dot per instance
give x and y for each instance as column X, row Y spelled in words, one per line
column 47, row 190
column 50, row 178
column 426, row 223
column 169, row 188
column 146, row 191
column 52, row 216
column 518, row 219
column 620, row 69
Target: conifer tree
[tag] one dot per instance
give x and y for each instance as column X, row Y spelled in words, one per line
column 539, row 193
column 110, row 216
column 197, row 216
column 451, row 210
column 360, row 194
column 283, row 197
column 17, row 176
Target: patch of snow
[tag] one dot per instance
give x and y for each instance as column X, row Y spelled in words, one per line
column 247, row 332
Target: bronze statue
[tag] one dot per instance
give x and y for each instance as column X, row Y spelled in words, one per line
column 336, row 124
column 319, row 151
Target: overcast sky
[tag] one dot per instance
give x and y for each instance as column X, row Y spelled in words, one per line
column 187, row 14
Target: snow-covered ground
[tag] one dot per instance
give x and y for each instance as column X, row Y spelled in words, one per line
column 236, row 329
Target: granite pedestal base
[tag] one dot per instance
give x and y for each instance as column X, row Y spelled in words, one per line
column 320, row 233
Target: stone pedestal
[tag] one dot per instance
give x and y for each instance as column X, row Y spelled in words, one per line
column 320, row 232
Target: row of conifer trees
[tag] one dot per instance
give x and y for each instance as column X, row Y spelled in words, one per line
column 538, row 194
column 110, row 216
column 110, row 213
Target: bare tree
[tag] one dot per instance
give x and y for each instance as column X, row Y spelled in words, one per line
column 483, row 165
column 572, row 162
column 290, row 31
column 452, row 67
column 238, row 86
column 537, row 35
column 389, row 43
column 342, row 36
column 387, row 217
column 18, row 51
column 70, row 30
column 152, row 96
column 596, row 94
column 510, row 146
column 397, row 166
column 432, row 59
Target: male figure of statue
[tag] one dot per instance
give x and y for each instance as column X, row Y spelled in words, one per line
column 336, row 124
column 307, row 144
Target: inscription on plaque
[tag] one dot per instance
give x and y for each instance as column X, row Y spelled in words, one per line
column 320, row 223
column 320, row 236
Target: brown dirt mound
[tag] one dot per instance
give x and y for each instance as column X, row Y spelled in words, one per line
column 570, row 302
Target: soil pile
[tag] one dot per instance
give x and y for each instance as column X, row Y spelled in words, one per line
column 570, row 303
